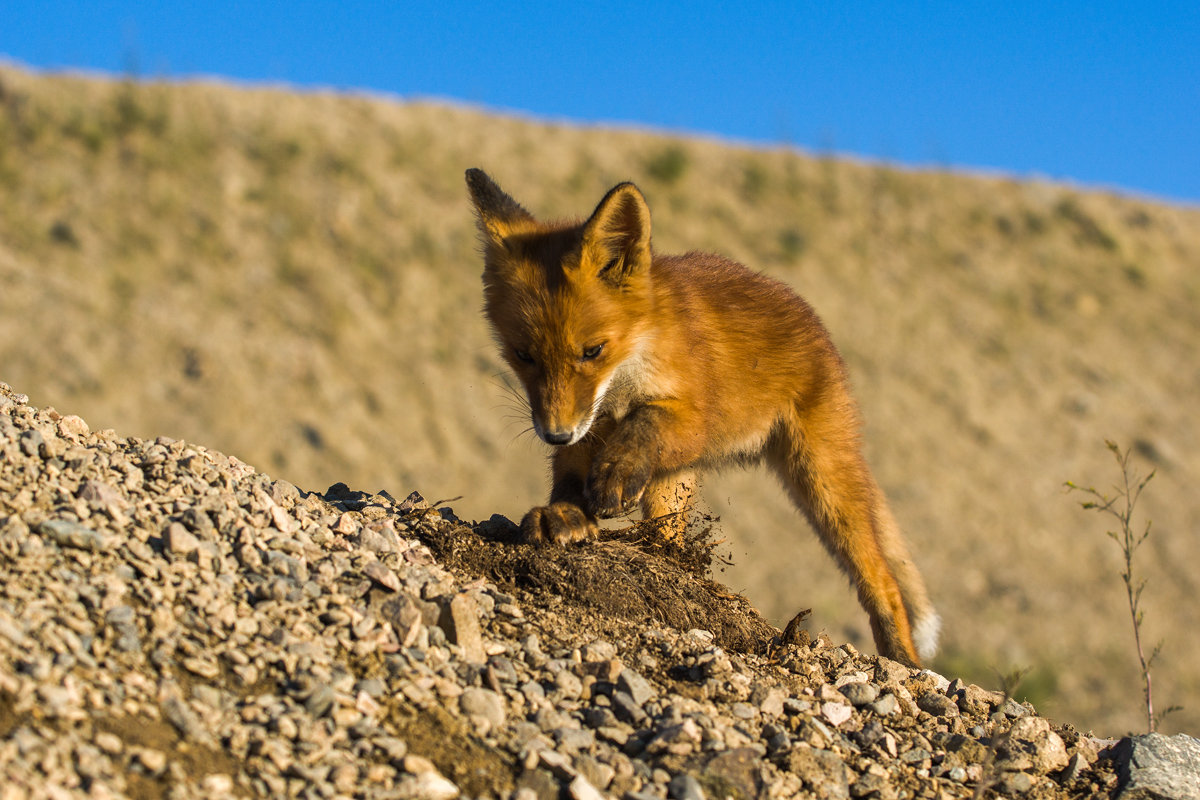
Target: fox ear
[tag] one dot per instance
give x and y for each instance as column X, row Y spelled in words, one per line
column 499, row 214
column 618, row 234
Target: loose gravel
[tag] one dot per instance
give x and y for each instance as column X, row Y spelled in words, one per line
column 174, row 623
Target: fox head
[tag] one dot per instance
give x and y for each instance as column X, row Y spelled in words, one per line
column 568, row 303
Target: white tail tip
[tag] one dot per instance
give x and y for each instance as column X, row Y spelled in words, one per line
column 925, row 635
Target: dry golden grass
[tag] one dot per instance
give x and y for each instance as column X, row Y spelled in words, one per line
column 293, row 278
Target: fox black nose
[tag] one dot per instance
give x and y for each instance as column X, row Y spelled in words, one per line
column 557, row 437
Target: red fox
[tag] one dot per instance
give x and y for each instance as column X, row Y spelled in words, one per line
column 642, row 369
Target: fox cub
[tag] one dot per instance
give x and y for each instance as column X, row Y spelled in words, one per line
column 642, row 369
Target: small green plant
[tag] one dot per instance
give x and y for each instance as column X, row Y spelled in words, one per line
column 1087, row 230
column 668, row 164
column 792, row 243
column 1120, row 505
column 754, row 181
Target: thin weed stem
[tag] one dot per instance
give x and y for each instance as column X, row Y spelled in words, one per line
column 1120, row 505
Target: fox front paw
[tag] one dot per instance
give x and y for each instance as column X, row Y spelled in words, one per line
column 616, row 485
column 560, row 523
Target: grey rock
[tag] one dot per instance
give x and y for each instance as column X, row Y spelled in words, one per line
column 1013, row 710
column 599, row 717
column 794, row 705
column 1075, row 767
column 822, row 771
column 66, row 533
column 574, row 740
column 598, row 650
column 460, row 621
column 915, row 755
column 372, row 687
column 180, row 540
column 320, row 702
column 1014, row 784
column 560, row 764
column 568, row 684
column 937, row 704
column 940, row 682
column 177, row 712
column 637, row 687
column 99, row 493
column 598, row 774
column 740, row 769
column 685, row 787
column 393, row 747
column 484, row 703
column 581, row 788
column 1158, row 767
column 770, row 702
column 869, row 785
column 378, row 541
column 119, row 615
column 199, row 522
column 532, row 648
column 626, row 709
column 678, row 739
column 870, row 733
column 32, row 443
column 1035, row 740
column 533, row 691
column 404, row 612
column 888, row 671
column 382, row 576
column 885, row 705
column 430, row 786
column 813, row 732
column 284, row 493
column 743, row 711
column 860, row 693
column 503, row 669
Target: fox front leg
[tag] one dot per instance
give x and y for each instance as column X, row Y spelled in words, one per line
column 640, row 448
column 561, row 522
column 565, row 518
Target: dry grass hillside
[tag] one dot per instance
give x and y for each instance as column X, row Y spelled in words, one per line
column 293, row 278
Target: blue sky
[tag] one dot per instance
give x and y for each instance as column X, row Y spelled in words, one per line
column 1103, row 93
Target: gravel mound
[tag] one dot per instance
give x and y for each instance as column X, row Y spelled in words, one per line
column 175, row 624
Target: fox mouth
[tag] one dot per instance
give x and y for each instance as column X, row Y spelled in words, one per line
column 556, row 438
column 569, row 436
column 566, row 437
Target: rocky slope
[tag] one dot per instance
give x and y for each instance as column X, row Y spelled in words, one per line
column 174, row 623
column 293, row 277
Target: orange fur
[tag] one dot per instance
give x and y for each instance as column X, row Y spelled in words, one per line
column 642, row 369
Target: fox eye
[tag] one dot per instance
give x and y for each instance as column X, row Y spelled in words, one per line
column 523, row 356
column 591, row 353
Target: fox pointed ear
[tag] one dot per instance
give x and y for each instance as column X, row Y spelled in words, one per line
column 618, row 234
column 499, row 214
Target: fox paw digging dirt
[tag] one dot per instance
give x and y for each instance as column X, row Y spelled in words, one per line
column 558, row 523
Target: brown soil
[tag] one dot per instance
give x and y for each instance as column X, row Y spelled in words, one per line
column 443, row 739
column 633, row 575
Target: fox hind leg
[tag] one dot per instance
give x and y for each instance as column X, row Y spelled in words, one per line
column 669, row 500
column 820, row 464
